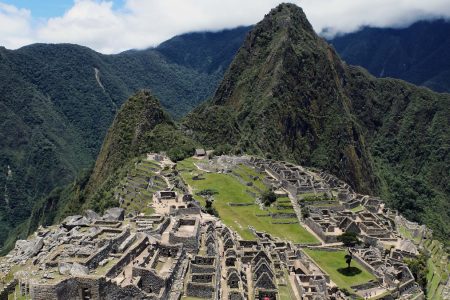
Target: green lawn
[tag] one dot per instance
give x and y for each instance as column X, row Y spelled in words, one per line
column 230, row 190
column 357, row 209
column 331, row 262
column 285, row 291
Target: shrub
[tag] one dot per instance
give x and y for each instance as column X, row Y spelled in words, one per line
column 268, row 197
column 349, row 239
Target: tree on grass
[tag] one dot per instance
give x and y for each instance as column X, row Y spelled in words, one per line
column 210, row 209
column 349, row 239
column 268, row 197
column 305, row 212
column 348, row 259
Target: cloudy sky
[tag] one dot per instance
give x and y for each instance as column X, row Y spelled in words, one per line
column 116, row 25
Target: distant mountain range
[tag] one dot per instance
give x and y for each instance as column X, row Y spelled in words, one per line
column 289, row 96
column 418, row 53
column 58, row 101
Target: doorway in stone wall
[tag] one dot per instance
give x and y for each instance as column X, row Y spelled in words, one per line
column 86, row 294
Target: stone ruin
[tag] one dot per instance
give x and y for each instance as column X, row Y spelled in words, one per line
column 181, row 251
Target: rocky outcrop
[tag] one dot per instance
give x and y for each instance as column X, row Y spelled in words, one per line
column 114, row 214
column 28, row 248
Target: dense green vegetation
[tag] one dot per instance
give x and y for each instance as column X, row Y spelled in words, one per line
column 287, row 95
column 418, row 267
column 141, row 126
column 210, row 52
column 417, row 53
column 57, row 102
column 268, row 197
column 349, row 239
column 289, row 106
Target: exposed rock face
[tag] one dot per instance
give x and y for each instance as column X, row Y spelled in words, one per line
column 64, row 268
column 91, row 215
column 73, row 221
column 114, row 214
column 78, row 270
column 28, row 248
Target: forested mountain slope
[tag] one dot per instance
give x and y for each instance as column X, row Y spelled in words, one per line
column 418, row 53
column 288, row 95
column 59, row 100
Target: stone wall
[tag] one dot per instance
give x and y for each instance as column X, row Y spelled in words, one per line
column 199, row 269
column 158, row 230
column 111, row 291
column 284, row 222
column 127, row 258
column 96, row 288
column 367, row 266
column 240, row 204
column 318, row 230
column 118, row 240
column 283, row 215
column 200, row 290
column 202, row 278
column 93, row 260
column 72, row 288
column 7, row 289
column 151, row 282
column 190, row 241
column 204, row 260
column 185, row 211
column 235, row 295
column 98, row 256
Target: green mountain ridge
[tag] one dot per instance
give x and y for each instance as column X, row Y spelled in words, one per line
column 284, row 97
column 288, row 95
column 417, row 53
column 140, row 126
column 58, row 101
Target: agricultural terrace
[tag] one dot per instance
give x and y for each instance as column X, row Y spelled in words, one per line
column 137, row 188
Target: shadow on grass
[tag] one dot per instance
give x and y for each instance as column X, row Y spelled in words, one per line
column 352, row 271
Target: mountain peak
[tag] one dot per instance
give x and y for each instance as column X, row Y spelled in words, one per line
column 288, row 14
column 139, row 115
column 283, row 94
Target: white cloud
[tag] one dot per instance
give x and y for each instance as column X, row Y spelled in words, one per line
column 143, row 23
column 342, row 16
column 15, row 28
